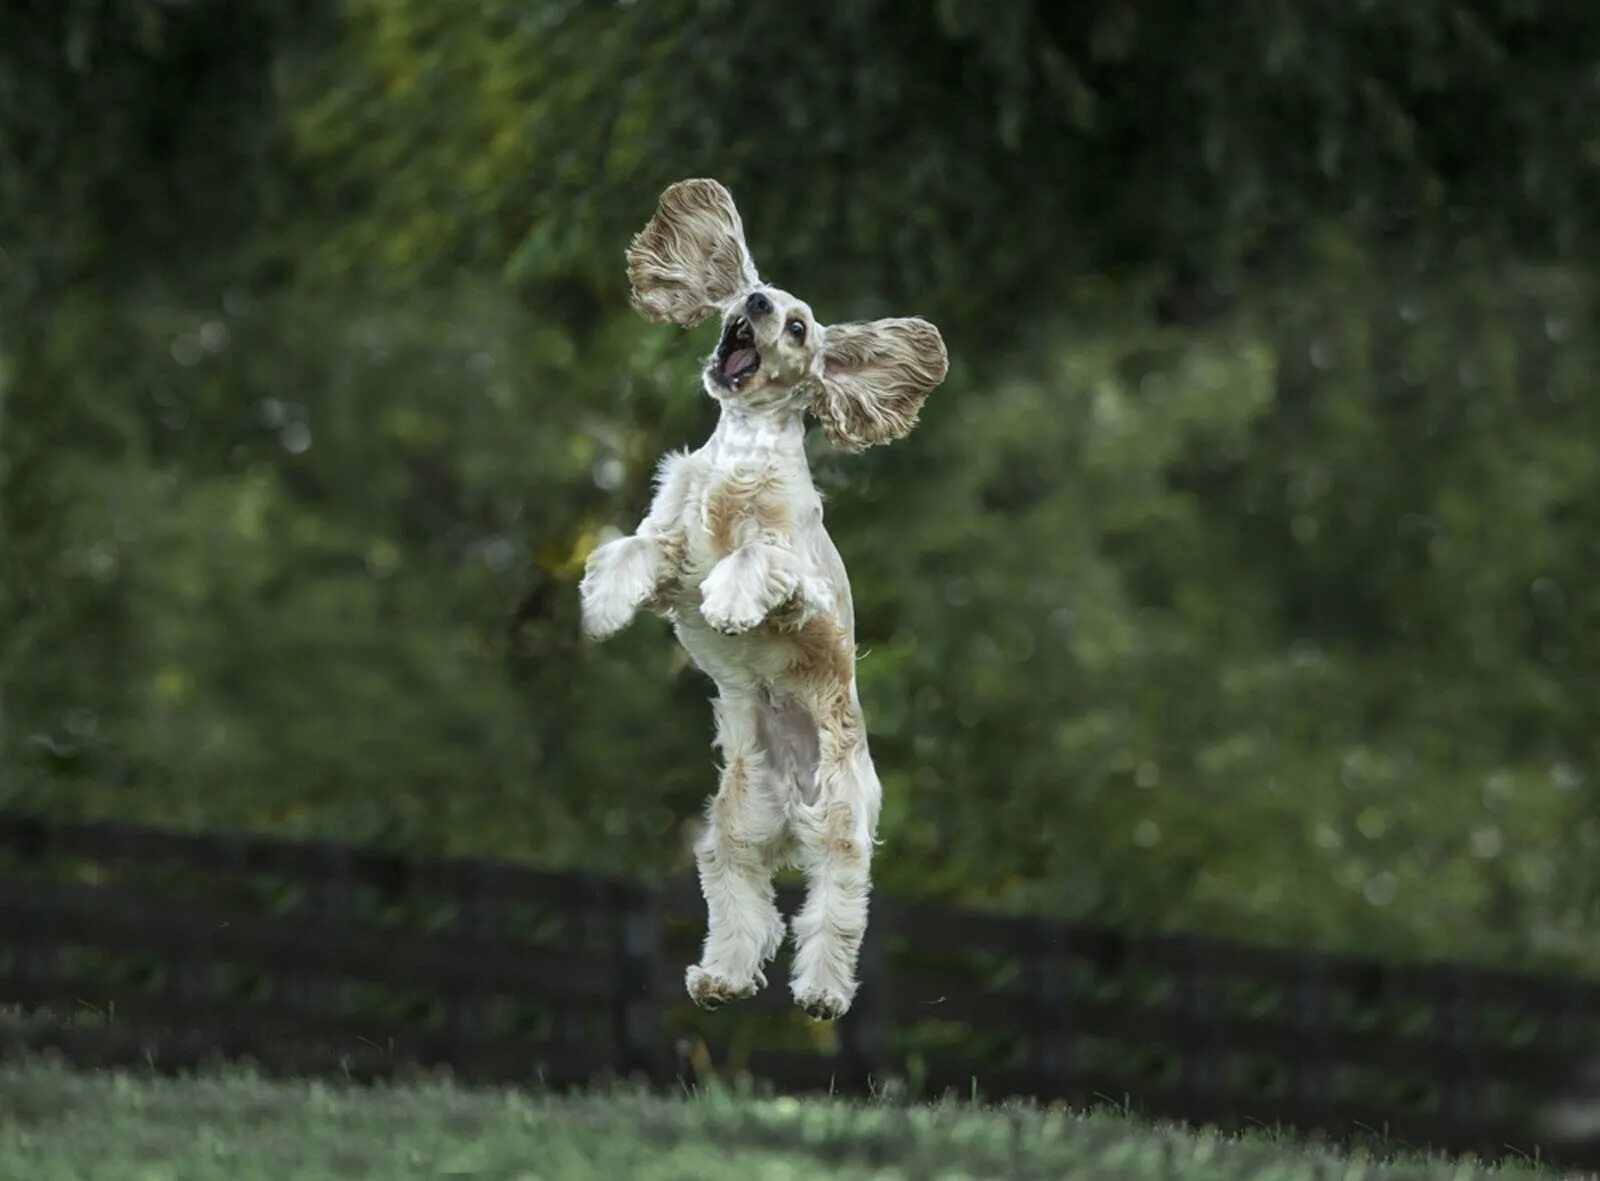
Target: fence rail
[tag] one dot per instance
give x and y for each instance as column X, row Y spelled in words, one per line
column 121, row 944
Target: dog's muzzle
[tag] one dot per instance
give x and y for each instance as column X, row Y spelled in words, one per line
column 737, row 358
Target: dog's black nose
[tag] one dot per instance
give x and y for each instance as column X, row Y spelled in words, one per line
column 758, row 305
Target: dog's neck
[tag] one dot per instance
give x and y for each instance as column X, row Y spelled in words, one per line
column 745, row 436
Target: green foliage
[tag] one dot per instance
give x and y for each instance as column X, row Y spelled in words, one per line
column 59, row 1125
column 1239, row 577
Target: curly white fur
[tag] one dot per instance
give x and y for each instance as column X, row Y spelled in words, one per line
column 734, row 551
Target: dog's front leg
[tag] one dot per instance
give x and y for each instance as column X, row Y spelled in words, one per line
column 744, row 587
column 631, row 572
column 621, row 576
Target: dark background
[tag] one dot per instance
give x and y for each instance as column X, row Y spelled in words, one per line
column 1240, row 579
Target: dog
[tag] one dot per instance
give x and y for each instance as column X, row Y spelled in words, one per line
column 733, row 551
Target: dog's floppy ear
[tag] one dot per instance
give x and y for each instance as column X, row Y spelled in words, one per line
column 691, row 258
column 875, row 377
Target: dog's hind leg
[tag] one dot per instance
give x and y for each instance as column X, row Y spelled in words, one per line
column 835, row 836
column 736, row 856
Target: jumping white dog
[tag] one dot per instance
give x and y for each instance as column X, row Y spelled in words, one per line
column 734, row 552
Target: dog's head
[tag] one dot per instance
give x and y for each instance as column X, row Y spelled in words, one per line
column 864, row 382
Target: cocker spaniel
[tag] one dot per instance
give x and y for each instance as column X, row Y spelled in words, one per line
column 734, row 552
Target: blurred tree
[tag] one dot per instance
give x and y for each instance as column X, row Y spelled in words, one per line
column 1239, row 577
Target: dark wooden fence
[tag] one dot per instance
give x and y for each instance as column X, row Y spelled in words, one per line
column 126, row 945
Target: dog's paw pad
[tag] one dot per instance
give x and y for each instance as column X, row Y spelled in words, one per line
column 822, row 1004
column 711, row 990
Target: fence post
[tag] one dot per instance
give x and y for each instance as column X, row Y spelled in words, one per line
column 1569, row 1018
column 1457, row 1030
column 467, row 1010
column 1197, row 1001
column 314, row 993
column 1052, row 1048
column 1310, row 1015
column 638, row 1036
column 1571, row 1091
column 36, row 952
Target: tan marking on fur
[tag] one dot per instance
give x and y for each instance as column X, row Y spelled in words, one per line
column 673, row 547
column 875, row 379
column 839, row 831
column 691, row 255
column 728, row 805
column 822, row 655
column 736, row 781
column 786, row 615
column 840, row 735
column 722, row 518
column 744, row 511
column 823, row 664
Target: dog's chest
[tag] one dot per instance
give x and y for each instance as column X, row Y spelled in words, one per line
column 751, row 502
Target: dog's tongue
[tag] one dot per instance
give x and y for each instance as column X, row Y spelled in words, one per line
column 737, row 361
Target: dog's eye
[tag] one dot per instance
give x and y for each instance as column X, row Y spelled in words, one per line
column 797, row 329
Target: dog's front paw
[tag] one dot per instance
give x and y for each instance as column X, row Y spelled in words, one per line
column 619, row 577
column 741, row 591
column 712, row 990
column 728, row 615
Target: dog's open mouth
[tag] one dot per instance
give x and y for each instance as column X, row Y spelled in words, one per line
column 736, row 358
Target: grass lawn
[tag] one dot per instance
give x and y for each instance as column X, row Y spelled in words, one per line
column 56, row 1125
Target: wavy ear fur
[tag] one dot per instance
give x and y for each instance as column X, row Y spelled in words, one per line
column 691, row 257
column 875, row 377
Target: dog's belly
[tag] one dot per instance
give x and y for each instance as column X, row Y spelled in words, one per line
column 762, row 658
